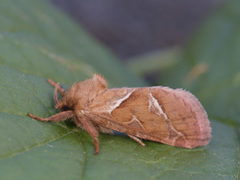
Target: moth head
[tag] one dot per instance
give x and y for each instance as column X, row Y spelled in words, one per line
column 64, row 105
column 80, row 94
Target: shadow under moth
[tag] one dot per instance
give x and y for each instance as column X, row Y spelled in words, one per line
column 173, row 117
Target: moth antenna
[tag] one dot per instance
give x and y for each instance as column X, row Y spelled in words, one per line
column 54, row 84
column 55, row 93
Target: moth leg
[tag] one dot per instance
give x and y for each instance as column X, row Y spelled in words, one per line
column 62, row 116
column 91, row 129
column 54, row 84
column 136, row 139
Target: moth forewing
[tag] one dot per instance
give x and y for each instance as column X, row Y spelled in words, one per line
column 160, row 114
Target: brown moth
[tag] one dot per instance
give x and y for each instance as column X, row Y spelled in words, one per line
column 173, row 117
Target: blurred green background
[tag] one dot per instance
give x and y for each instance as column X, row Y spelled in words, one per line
column 38, row 41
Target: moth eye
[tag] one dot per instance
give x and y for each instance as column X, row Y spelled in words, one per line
column 65, row 108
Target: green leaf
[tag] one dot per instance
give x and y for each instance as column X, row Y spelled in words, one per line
column 216, row 47
column 42, row 37
column 38, row 42
column 154, row 61
column 214, row 53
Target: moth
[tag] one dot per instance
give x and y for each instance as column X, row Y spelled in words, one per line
column 160, row 114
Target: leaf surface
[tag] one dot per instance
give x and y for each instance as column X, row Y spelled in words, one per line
column 38, row 42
